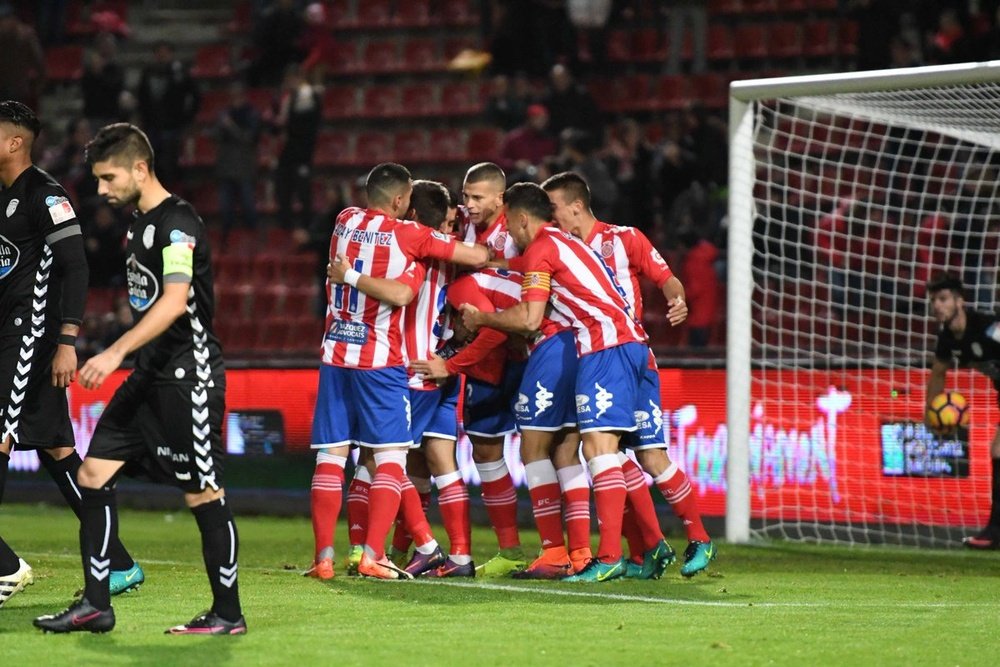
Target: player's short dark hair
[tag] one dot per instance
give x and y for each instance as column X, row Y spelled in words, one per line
column 19, row 114
column 572, row 184
column 529, row 198
column 429, row 202
column 486, row 171
column 385, row 181
column 122, row 143
column 946, row 281
column 453, row 199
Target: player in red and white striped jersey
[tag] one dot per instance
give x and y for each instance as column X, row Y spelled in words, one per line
column 363, row 394
column 482, row 191
column 631, row 256
column 564, row 274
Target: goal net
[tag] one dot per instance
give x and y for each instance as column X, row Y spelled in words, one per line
column 847, row 193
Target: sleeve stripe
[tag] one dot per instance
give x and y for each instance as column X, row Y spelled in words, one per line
column 176, row 278
column 62, row 233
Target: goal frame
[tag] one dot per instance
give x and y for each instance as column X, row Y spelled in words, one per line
column 739, row 290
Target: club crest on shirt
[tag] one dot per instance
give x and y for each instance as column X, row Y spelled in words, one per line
column 977, row 350
column 500, row 241
column 143, row 287
column 12, row 206
column 607, row 249
column 9, row 254
column 148, row 236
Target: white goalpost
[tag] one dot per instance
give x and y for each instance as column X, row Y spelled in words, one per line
column 847, row 193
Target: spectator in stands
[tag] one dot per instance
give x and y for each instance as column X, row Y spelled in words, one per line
column 504, row 107
column 902, row 53
column 673, row 167
column 578, row 154
column 706, row 136
column 950, row 43
column 103, row 82
column 687, row 18
column 569, row 104
column 524, row 149
column 631, row 162
column 22, row 65
column 299, row 115
column 67, row 164
column 316, row 238
column 168, row 101
column 316, row 42
column 104, row 231
column 237, row 131
column 276, row 37
column 590, row 18
column 51, row 21
column 702, row 287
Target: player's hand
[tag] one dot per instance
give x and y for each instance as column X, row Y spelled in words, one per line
column 64, row 366
column 336, row 269
column 472, row 318
column 98, row 368
column 677, row 312
column 430, row 369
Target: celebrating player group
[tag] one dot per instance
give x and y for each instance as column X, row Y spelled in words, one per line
column 537, row 304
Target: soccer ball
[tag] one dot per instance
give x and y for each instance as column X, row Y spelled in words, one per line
column 947, row 412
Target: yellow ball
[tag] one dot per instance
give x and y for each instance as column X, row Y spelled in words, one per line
column 947, row 412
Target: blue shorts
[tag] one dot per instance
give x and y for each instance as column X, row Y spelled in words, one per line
column 489, row 408
column 545, row 398
column 651, row 431
column 607, row 387
column 435, row 412
column 370, row 408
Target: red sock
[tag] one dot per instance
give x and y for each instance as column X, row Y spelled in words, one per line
column 412, row 511
column 576, row 503
column 630, row 529
column 500, row 499
column 357, row 506
column 641, row 502
column 676, row 488
column 384, row 498
column 546, row 502
column 325, row 498
column 609, row 497
column 453, row 502
column 401, row 538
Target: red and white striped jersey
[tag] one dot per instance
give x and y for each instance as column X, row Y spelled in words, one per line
column 361, row 331
column 628, row 252
column 581, row 290
column 494, row 236
column 424, row 318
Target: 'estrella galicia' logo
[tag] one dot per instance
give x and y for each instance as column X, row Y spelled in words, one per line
column 143, row 287
column 9, row 254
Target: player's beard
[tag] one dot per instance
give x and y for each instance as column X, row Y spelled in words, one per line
column 129, row 197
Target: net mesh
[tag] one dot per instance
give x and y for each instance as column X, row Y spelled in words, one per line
column 858, row 200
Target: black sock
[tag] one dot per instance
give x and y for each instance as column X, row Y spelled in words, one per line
column 8, row 559
column 64, row 474
column 98, row 524
column 995, row 496
column 220, row 547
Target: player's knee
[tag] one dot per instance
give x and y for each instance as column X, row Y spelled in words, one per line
column 193, row 500
column 486, row 453
column 653, row 461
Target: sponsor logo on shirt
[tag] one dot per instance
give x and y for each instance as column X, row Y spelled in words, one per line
column 9, row 254
column 346, row 331
column 143, row 287
column 179, row 237
column 60, row 210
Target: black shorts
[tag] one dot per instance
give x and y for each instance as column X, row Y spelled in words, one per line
column 34, row 413
column 165, row 432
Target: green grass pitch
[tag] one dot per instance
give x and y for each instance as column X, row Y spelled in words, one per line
column 778, row 604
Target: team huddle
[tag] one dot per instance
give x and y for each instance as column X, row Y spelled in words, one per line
column 537, row 304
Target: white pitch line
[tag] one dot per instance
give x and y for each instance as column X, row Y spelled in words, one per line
column 558, row 592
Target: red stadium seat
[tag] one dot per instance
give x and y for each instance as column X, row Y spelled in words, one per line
column 413, row 14
column 420, row 99
column 818, row 39
column 381, row 102
column 455, row 45
column 212, row 104
column 266, row 301
column 461, row 98
column 64, row 63
column 373, row 14
column 719, row 42
column 279, row 241
column 650, row 45
column 620, row 45
column 629, row 93
column 343, row 58
column 271, row 334
column 669, row 93
column 381, row 56
column 784, row 40
column 751, row 41
column 447, row 145
column 266, row 269
column 410, row 146
column 421, row 55
column 824, row 5
column 242, row 21
column 200, row 151
column 333, row 149
column 306, row 335
column 725, row 7
column 341, row 102
column 711, row 89
column 372, row 148
column 299, row 302
column 759, row 6
column 458, row 12
column 213, row 62
column 847, row 38
column 300, row 270
column 484, row 144
column 261, row 99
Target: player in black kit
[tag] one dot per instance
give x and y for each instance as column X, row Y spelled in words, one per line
column 165, row 421
column 43, row 287
column 972, row 339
